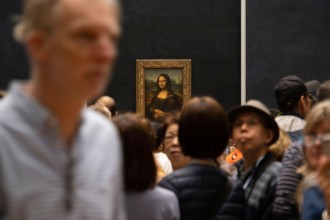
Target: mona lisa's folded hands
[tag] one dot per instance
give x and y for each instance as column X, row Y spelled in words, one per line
column 159, row 113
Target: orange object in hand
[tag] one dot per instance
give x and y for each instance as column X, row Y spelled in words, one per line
column 234, row 156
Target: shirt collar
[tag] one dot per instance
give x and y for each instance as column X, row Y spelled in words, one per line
column 293, row 114
column 31, row 110
column 245, row 174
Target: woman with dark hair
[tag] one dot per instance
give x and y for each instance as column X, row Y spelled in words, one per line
column 144, row 200
column 201, row 186
column 164, row 101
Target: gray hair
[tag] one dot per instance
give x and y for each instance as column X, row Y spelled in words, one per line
column 37, row 15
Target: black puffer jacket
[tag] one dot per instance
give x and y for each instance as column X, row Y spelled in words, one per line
column 201, row 190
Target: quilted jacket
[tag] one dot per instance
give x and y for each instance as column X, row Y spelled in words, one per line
column 201, row 190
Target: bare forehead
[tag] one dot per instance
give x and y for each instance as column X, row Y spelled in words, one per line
column 91, row 10
column 172, row 128
column 322, row 126
column 92, row 4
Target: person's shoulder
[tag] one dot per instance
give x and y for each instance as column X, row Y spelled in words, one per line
column 164, row 162
column 290, row 123
column 172, row 180
column 4, row 113
column 194, row 172
column 154, row 94
column 161, row 156
column 180, row 173
column 95, row 119
column 294, row 153
column 173, row 93
column 164, row 193
column 97, row 125
column 6, row 105
column 274, row 168
column 9, row 114
column 167, row 198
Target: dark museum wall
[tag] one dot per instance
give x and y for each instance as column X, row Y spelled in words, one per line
column 207, row 32
column 286, row 37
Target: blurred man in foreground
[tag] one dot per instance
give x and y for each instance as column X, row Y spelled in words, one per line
column 59, row 160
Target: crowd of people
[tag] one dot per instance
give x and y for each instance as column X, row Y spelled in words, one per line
column 62, row 160
column 246, row 163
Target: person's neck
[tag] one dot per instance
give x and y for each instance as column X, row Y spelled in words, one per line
column 65, row 108
column 251, row 157
column 207, row 162
column 300, row 112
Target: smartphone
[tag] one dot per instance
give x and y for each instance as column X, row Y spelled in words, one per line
column 326, row 144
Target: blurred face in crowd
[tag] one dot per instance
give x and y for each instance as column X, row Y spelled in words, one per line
column 79, row 50
column 250, row 135
column 172, row 148
column 314, row 144
column 162, row 82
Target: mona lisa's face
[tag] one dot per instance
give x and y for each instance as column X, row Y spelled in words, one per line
column 162, row 82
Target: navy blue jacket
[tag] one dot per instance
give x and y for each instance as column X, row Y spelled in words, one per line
column 201, row 190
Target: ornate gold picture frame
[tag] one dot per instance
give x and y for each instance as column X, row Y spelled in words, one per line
column 162, row 86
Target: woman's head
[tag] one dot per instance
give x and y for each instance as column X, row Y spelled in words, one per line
column 203, row 128
column 171, row 144
column 138, row 140
column 163, row 82
column 317, row 124
column 250, row 133
column 253, row 129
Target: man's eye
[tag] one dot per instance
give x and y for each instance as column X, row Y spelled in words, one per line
column 252, row 122
column 238, row 124
column 169, row 137
column 113, row 39
column 86, row 36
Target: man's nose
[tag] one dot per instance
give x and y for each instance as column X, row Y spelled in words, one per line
column 244, row 126
column 106, row 50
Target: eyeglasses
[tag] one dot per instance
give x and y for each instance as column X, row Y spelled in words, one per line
column 311, row 140
column 170, row 136
column 249, row 123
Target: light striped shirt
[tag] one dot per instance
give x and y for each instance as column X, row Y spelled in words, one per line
column 41, row 180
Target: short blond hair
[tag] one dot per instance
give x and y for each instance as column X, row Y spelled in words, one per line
column 318, row 114
column 38, row 15
column 281, row 145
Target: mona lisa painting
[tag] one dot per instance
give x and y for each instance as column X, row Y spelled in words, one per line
column 162, row 86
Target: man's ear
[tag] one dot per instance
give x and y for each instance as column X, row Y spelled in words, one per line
column 301, row 104
column 36, row 45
